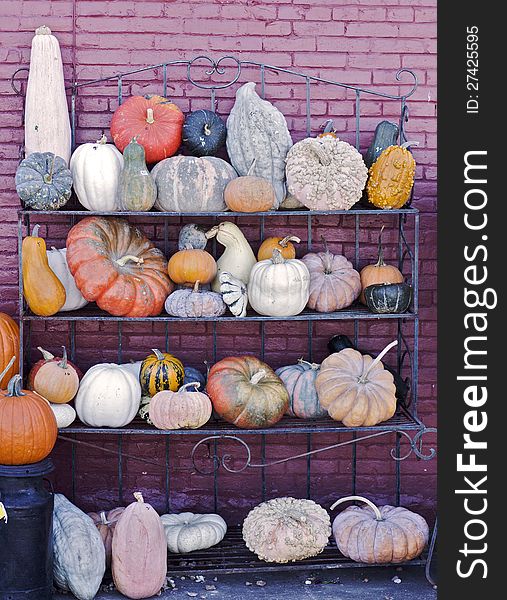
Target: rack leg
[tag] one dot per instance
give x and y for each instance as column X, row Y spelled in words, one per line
column 431, row 552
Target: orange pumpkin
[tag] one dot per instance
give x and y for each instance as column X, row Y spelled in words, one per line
column 54, row 378
column 190, row 265
column 250, row 193
column 284, row 245
column 9, row 345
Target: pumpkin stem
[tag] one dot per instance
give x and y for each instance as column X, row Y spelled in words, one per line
column 43, row 30
column 313, row 366
column 9, row 365
column 183, row 388
column 289, row 238
column 328, row 257
column 378, row 514
column 45, row 354
column 258, row 376
column 103, row 518
column 406, row 145
column 158, row 354
column 212, row 232
column 328, row 127
column 103, row 139
column 207, row 130
column 378, row 359
column 35, row 230
column 252, row 167
column 277, row 258
column 63, row 363
column 48, row 177
column 380, row 255
column 14, row 387
column 320, row 153
column 139, row 497
column 149, row 116
column 196, row 286
column 124, row 260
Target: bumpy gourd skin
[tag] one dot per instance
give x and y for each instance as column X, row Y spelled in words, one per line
column 391, row 178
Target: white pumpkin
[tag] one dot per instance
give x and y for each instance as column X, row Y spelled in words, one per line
column 64, row 413
column 57, row 260
column 134, row 367
column 47, row 123
column 108, row 396
column 96, row 172
column 238, row 257
column 187, row 531
column 279, row 287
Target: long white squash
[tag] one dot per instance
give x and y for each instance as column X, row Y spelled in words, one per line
column 47, row 123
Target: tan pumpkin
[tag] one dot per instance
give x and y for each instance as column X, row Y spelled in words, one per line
column 55, row 379
column 379, row 535
column 283, row 244
column 380, row 272
column 187, row 266
column 139, row 551
column 105, row 521
column 180, row 410
column 250, row 193
column 356, row 389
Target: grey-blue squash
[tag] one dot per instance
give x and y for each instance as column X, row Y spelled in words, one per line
column 43, row 181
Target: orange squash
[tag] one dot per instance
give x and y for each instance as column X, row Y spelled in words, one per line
column 9, row 344
column 43, row 291
column 284, row 244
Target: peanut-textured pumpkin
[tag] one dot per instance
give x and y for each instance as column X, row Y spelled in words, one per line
column 283, row 244
column 299, row 379
column 249, row 193
column 57, row 260
column 180, row 410
column 380, row 272
column 27, row 425
column 54, row 378
column 246, row 392
column 391, row 177
column 116, row 266
column 43, row 291
column 195, row 303
column 161, row 371
column 79, row 560
column 379, row 535
column 136, row 189
column 325, row 173
column 9, row 347
column 139, row 551
column 43, row 181
column 284, row 530
column 154, row 121
column 105, row 521
column 186, row 532
column 187, row 266
column 356, row 389
column 334, row 283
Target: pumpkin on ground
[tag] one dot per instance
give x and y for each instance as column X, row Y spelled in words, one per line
column 250, row 193
column 386, row 134
column 284, row 530
column 43, row 291
column 116, row 266
column 96, row 171
column 392, row 177
column 238, row 257
column 27, row 424
column 139, row 551
column 279, row 287
column 79, row 560
column 65, row 415
column 283, row 244
column 334, row 283
column 384, row 298
column 108, row 396
column 356, row 389
column 195, row 303
column 299, row 379
column 9, row 346
column 57, row 261
column 154, row 121
column 234, row 293
column 325, row 173
column 257, row 131
column 379, row 535
column 186, row 532
column 43, row 181
column 136, row 189
column 105, row 521
column 54, row 378
column 183, row 409
column 204, row 133
column 161, row 371
column 246, row 392
column 47, row 123
column 187, row 266
column 380, row 272
column 189, row 184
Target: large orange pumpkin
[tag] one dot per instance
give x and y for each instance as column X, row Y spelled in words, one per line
column 154, row 121
column 28, row 428
column 116, row 266
column 9, row 345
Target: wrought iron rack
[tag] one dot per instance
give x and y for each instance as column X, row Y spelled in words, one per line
column 208, row 455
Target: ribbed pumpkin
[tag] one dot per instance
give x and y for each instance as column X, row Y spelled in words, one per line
column 246, row 392
column 180, row 410
column 382, row 298
column 136, row 189
column 161, row 371
column 204, row 133
column 105, row 521
column 116, row 266
column 139, row 551
column 27, row 425
column 187, row 266
column 250, row 193
column 187, row 532
column 392, row 177
column 283, row 244
column 57, row 260
column 195, row 303
column 154, row 121
column 356, row 389
column 299, row 379
column 54, row 378
column 9, row 347
column 43, row 181
column 43, row 291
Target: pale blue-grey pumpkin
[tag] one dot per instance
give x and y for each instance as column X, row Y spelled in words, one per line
column 43, row 181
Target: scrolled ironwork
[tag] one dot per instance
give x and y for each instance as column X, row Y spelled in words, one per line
column 415, row 84
column 415, row 445
column 220, row 461
column 216, row 66
column 17, row 91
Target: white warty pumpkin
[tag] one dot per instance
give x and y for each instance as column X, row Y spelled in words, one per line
column 187, row 531
column 57, row 260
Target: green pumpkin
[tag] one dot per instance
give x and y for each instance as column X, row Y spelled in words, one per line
column 43, row 181
column 385, row 298
column 136, row 188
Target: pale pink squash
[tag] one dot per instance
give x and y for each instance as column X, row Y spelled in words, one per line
column 181, row 409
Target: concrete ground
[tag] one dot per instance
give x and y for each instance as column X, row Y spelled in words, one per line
column 338, row 584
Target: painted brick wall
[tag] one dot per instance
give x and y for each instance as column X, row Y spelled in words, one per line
column 360, row 42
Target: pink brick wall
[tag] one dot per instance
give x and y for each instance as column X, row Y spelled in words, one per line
column 359, row 42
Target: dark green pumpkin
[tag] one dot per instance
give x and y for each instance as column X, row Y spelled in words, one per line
column 43, row 181
column 193, row 375
column 388, row 298
column 136, row 187
column 386, row 134
column 204, row 133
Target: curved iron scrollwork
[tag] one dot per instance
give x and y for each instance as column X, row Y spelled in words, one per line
column 415, row 445
column 18, row 91
column 399, row 76
column 215, row 66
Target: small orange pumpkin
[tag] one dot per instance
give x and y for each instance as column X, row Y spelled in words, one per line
column 187, row 266
column 54, row 378
column 284, row 244
column 9, row 344
column 250, row 193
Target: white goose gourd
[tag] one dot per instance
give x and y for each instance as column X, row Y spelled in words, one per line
column 57, row 260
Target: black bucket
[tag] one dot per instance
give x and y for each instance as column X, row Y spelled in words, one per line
column 26, row 546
